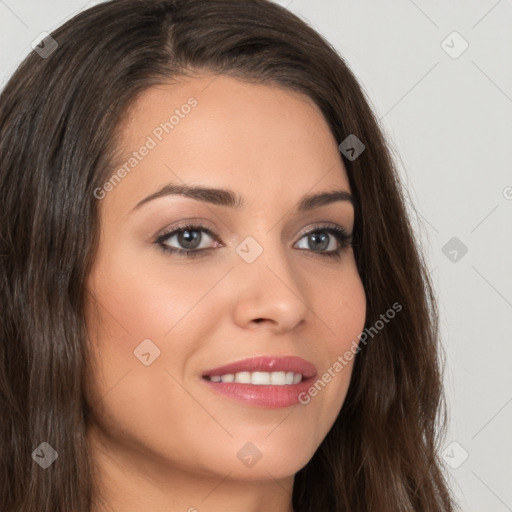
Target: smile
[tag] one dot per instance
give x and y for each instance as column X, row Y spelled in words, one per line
column 263, row 381
column 259, row 378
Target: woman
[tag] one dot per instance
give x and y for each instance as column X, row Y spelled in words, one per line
column 212, row 298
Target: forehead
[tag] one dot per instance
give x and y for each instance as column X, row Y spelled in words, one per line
column 216, row 130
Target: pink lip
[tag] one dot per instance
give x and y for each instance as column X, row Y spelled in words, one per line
column 266, row 396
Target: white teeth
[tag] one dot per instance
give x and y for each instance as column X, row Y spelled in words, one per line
column 243, row 377
column 278, row 378
column 260, row 378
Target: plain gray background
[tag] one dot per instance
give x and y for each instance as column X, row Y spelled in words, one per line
column 448, row 119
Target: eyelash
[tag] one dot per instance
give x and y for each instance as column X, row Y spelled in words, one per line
column 341, row 235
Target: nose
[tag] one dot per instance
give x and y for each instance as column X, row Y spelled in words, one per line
column 269, row 294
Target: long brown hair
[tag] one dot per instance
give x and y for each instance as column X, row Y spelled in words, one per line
column 58, row 120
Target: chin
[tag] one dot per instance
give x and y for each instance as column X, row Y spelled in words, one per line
column 257, row 458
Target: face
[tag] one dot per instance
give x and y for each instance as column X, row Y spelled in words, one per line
column 269, row 285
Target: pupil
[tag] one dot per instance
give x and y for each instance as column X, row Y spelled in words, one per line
column 188, row 238
column 322, row 237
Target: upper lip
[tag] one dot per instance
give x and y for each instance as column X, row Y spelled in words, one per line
column 266, row 364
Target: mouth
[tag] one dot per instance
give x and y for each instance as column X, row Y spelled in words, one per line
column 267, row 381
column 259, row 378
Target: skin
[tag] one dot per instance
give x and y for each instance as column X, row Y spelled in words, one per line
column 160, row 438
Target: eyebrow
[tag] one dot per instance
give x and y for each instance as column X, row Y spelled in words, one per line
column 222, row 197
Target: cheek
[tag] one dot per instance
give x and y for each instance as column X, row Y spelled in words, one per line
column 350, row 306
column 343, row 310
column 144, row 296
column 131, row 304
column 342, row 307
column 136, row 300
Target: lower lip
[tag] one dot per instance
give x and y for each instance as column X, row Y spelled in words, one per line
column 266, row 396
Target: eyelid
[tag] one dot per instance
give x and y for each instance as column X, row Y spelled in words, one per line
column 343, row 237
column 193, row 226
column 196, row 222
column 323, row 225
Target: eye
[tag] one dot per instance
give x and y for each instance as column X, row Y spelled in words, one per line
column 189, row 238
column 329, row 240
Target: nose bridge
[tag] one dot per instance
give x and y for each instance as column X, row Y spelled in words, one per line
column 268, row 288
column 264, row 255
